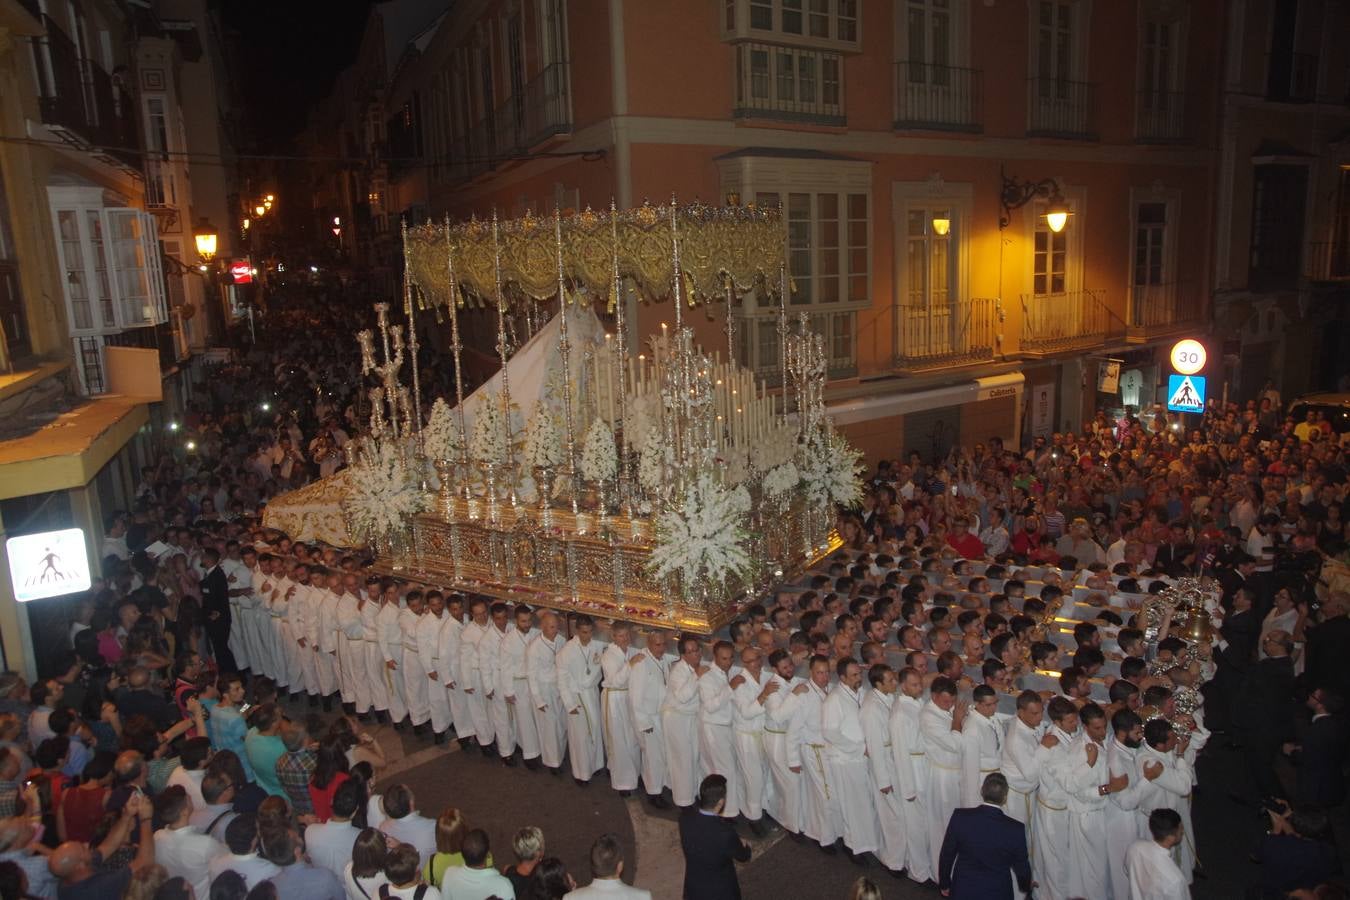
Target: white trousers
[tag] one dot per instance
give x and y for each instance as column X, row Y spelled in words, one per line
column 621, row 744
column 373, row 679
column 552, row 730
column 719, row 758
column 585, row 737
column 820, row 803
column 784, row 801
column 522, row 717
column 681, row 739
column 653, row 759
column 415, row 684
column 753, row 772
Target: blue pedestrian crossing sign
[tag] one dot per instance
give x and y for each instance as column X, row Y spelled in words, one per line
column 1186, row 393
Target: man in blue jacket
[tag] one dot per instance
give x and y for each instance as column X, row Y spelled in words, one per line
column 981, row 845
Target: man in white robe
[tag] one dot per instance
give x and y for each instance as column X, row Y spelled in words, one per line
column 372, row 662
column 351, row 651
column 1122, row 818
column 1021, row 759
column 1093, row 785
column 876, row 726
column 298, row 612
column 514, row 683
column 850, row 777
column 1051, row 854
column 716, row 747
column 415, row 680
column 679, row 722
column 579, row 674
column 783, row 711
column 257, row 619
column 428, row 654
column 646, row 693
column 750, row 689
column 981, row 744
column 471, row 674
column 941, row 722
column 389, row 637
column 822, row 820
column 240, row 590
column 541, row 672
column 621, row 743
column 911, row 773
column 263, row 585
column 1149, row 865
column 326, row 637
column 489, row 663
column 288, row 654
column 448, row 643
column 1171, row 788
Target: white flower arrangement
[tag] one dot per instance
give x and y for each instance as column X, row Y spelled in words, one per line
column 774, row 450
column 781, row 479
column 650, row 461
column 735, row 465
column 441, row 435
column 740, row 499
column 543, row 443
column 599, row 459
column 488, row 444
column 703, row 537
column 384, row 495
column 830, row 470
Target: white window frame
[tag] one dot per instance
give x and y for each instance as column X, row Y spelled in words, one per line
column 132, row 264
column 958, row 200
column 734, row 22
column 958, row 49
column 1172, row 80
column 1167, row 288
column 750, row 176
column 1033, row 217
column 1041, row 110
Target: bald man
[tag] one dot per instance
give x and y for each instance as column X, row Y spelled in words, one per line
column 76, row 865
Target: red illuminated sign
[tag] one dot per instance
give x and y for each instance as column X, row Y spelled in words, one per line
column 241, row 271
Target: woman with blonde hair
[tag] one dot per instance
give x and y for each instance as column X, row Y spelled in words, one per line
column 451, row 827
column 864, row 889
column 528, row 845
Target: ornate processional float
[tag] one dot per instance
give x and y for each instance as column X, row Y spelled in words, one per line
column 661, row 484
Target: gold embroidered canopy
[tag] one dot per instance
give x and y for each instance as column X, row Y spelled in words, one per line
column 734, row 246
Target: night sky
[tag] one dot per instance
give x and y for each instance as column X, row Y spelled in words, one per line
column 286, row 54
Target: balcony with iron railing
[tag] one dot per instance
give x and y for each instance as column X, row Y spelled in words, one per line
column 1327, row 261
column 1073, row 320
column 1059, row 108
column 80, row 100
column 937, row 98
column 791, row 84
column 1291, row 77
column 946, row 334
column 1159, row 308
column 1159, row 117
column 161, row 185
column 542, row 109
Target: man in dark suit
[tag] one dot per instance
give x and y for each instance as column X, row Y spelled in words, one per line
column 1177, row 556
column 1239, row 632
column 711, row 846
column 1263, row 713
column 1324, row 652
column 1321, row 756
column 981, row 846
column 216, row 609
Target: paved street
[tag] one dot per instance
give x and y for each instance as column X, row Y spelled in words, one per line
column 502, row 799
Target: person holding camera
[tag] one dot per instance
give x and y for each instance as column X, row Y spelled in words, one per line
column 1297, row 852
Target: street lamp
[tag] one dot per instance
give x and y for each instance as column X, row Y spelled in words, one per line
column 247, row 223
column 259, row 210
column 942, row 222
column 206, row 238
column 1016, row 194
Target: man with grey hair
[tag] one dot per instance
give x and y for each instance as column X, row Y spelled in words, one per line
column 982, row 844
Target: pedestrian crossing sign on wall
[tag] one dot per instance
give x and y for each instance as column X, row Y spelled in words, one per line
column 1186, row 393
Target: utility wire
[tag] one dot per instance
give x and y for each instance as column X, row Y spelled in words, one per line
column 356, row 161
